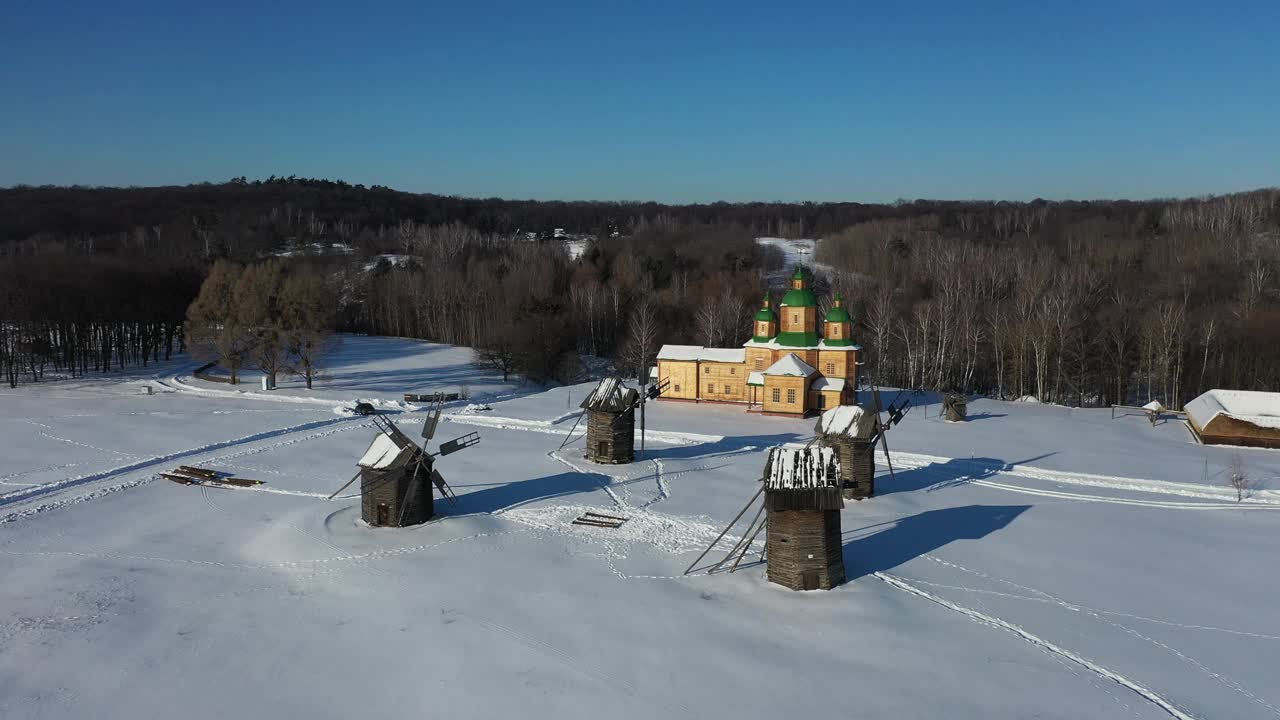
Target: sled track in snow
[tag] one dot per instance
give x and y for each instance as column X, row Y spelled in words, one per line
column 1198, row 497
column 1143, row 692
column 39, row 491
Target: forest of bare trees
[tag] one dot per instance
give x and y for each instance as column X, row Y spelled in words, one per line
column 1082, row 303
column 1157, row 302
column 73, row 315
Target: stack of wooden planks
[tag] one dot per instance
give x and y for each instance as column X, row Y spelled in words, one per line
column 190, row 475
column 593, row 519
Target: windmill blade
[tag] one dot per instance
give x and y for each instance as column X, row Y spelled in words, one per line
column 432, row 421
column 438, row 480
column 458, row 444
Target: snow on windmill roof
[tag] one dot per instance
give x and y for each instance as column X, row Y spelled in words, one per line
column 610, row 395
column 802, row 468
column 1258, row 408
column 383, row 452
column 792, row 366
column 851, row 420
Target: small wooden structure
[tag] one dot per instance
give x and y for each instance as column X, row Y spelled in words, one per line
column 393, row 490
column 954, row 407
column 850, row 431
column 611, row 422
column 1235, row 417
column 802, row 499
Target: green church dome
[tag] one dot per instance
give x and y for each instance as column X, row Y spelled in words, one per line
column 837, row 314
column 799, row 296
column 765, row 313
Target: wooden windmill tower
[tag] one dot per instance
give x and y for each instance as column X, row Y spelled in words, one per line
column 801, row 511
column 802, row 502
column 395, row 471
column 610, row 410
column 851, row 431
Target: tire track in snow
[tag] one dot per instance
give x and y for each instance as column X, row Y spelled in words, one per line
column 1143, row 692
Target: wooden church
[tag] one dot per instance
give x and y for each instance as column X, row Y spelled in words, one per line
column 793, row 364
column 802, row 497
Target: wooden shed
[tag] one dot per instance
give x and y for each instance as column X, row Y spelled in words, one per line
column 850, row 431
column 1236, row 417
column 395, row 482
column 611, row 422
column 803, row 547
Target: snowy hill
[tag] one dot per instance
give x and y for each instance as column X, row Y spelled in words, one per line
column 1034, row 561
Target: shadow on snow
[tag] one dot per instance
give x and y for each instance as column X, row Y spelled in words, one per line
column 940, row 476
column 908, row 538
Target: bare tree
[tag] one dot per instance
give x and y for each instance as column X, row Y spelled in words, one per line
column 642, row 337
column 1238, row 479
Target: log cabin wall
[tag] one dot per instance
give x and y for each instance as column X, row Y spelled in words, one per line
column 803, row 549
column 610, row 442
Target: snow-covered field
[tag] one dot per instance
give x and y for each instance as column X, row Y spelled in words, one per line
column 1032, row 562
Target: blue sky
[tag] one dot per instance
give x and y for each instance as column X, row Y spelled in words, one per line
column 673, row 101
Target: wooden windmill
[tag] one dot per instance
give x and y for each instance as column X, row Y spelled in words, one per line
column 611, row 411
column 801, row 511
column 395, row 469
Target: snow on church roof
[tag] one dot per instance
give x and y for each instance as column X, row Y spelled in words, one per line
column 791, row 365
column 700, row 353
column 728, row 355
column 679, row 352
column 1259, row 408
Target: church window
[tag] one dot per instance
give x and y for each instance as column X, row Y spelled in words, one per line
column 777, row 395
column 791, row 396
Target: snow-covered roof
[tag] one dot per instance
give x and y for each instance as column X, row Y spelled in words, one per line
column 679, row 352
column 705, row 354
column 610, row 395
column 852, row 420
column 807, row 468
column 728, row 355
column 826, row 383
column 791, row 365
column 755, row 378
column 822, row 345
column 382, row 453
column 1258, row 408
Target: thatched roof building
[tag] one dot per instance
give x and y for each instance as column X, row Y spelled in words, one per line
column 1236, row 417
column 395, row 482
column 802, row 497
column 849, row 430
column 611, row 422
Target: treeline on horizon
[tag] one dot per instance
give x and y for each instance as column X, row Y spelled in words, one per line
column 1084, row 303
